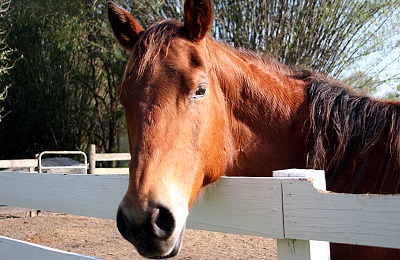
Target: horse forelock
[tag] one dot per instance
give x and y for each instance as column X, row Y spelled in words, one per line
column 149, row 46
column 345, row 126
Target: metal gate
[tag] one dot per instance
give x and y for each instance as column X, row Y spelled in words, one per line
column 41, row 167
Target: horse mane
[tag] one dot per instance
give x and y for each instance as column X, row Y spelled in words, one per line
column 345, row 127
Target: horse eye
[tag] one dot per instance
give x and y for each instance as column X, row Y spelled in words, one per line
column 199, row 92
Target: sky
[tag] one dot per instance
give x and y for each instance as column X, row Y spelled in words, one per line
column 385, row 63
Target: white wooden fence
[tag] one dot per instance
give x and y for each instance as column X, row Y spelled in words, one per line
column 33, row 164
column 30, row 164
column 96, row 157
column 289, row 209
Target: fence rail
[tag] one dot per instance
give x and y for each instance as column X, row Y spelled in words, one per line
column 94, row 157
column 20, row 250
column 32, row 164
column 289, row 209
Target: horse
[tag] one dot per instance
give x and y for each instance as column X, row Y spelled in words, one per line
column 197, row 109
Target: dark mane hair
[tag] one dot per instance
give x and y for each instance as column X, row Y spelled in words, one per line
column 345, row 125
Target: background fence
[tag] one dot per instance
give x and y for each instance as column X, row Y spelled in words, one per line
column 35, row 164
column 289, row 209
column 30, row 164
column 96, row 157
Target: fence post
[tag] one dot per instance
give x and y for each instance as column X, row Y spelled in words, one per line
column 303, row 249
column 33, row 168
column 92, row 159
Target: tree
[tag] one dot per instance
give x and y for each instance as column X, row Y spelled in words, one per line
column 394, row 95
column 63, row 93
column 327, row 36
column 5, row 51
column 89, row 37
column 362, row 82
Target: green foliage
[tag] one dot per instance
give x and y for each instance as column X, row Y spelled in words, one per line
column 327, row 36
column 394, row 95
column 362, row 82
column 63, row 93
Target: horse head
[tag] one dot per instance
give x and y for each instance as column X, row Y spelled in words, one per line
column 177, row 125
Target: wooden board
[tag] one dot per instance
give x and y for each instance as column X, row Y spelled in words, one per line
column 112, row 156
column 111, row 171
column 86, row 195
column 21, row 250
column 248, row 206
column 236, row 205
column 18, row 163
column 303, row 249
column 344, row 218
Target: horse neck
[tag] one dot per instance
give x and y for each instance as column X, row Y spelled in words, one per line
column 266, row 111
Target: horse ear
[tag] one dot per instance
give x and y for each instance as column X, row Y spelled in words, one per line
column 198, row 18
column 126, row 29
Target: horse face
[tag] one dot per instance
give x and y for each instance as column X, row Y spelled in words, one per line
column 176, row 126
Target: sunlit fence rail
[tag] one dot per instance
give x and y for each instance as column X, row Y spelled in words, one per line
column 30, row 164
column 106, row 157
column 288, row 208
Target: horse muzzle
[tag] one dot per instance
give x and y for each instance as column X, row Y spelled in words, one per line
column 157, row 235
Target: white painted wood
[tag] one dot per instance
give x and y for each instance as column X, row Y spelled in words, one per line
column 303, row 249
column 343, row 218
column 316, row 177
column 236, row 205
column 92, row 159
column 249, row 206
column 19, row 163
column 293, row 249
column 110, row 171
column 86, row 195
column 99, row 196
column 112, row 156
column 319, row 250
column 21, row 250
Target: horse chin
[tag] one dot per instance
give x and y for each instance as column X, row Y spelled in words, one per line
column 164, row 253
column 176, row 249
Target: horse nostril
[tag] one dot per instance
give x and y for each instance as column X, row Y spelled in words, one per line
column 123, row 223
column 163, row 222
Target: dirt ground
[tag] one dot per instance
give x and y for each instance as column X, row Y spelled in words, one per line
column 100, row 238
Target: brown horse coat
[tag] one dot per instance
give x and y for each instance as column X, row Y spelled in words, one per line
column 197, row 109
